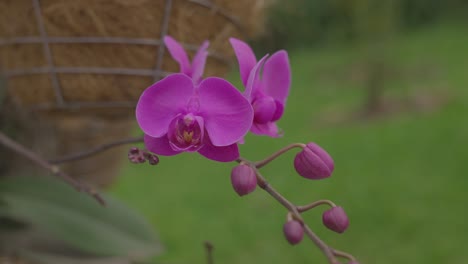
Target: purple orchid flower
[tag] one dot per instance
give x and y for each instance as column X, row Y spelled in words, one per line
column 177, row 116
column 267, row 93
column 196, row 68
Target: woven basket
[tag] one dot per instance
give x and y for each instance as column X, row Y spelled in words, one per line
column 82, row 65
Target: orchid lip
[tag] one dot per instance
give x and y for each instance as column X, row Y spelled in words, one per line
column 186, row 133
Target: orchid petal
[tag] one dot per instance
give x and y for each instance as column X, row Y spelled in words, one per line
column 253, row 83
column 221, row 154
column 199, row 61
column 161, row 102
column 277, row 76
column 228, row 115
column 245, row 57
column 279, row 111
column 268, row 129
column 160, row 146
column 178, row 54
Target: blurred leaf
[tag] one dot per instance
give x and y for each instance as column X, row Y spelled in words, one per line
column 2, row 89
column 60, row 259
column 52, row 206
column 37, row 246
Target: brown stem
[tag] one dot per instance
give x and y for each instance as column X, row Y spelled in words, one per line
column 262, row 183
column 327, row 250
column 278, row 153
column 295, row 211
column 30, row 155
column 342, row 254
column 304, row 208
column 93, row 151
column 209, row 252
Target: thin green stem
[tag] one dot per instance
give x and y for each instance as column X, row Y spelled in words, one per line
column 278, row 153
column 315, row 204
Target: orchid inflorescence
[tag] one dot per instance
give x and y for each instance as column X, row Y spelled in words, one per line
column 185, row 112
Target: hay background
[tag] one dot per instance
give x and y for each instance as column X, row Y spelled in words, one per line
column 189, row 23
column 56, row 131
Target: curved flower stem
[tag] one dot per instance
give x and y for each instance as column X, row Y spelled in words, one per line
column 278, row 153
column 304, row 208
column 29, row 154
column 342, row 254
column 262, row 183
column 98, row 149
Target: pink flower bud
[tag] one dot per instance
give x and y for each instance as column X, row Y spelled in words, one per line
column 353, row 262
column 293, row 231
column 335, row 219
column 243, row 179
column 313, row 162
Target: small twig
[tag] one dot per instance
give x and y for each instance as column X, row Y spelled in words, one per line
column 278, row 153
column 93, row 151
column 209, row 252
column 29, row 154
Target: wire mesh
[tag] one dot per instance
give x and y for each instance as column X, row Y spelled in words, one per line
column 52, row 70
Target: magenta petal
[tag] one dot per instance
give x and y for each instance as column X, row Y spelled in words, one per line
column 221, row 154
column 253, row 82
column 198, row 62
column 245, row 57
column 228, row 115
column 268, row 129
column 279, row 111
column 160, row 146
column 178, row 54
column 277, row 76
column 161, row 102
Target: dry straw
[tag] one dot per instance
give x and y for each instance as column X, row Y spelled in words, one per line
column 81, row 65
column 98, row 55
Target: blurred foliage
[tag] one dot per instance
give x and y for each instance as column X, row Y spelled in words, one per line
column 45, row 220
column 301, row 22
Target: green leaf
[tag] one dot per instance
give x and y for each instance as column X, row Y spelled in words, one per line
column 49, row 204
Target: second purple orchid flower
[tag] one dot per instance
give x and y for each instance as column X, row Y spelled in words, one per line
column 267, row 83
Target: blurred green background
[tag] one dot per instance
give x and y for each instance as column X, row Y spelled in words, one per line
column 382, row 86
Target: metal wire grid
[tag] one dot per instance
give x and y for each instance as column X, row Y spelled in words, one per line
column 52, row 70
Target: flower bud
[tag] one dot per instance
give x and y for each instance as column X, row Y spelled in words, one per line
column 313, row 162
column 264, row 109
column 151, row 158
column 243, row 179
column 293, row 231
column 135, row 155
column 353, row 262
column 335, row 219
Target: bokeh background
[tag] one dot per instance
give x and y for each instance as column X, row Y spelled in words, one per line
column 382, row 86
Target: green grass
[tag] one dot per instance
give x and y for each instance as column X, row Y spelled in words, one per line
column 402, row 179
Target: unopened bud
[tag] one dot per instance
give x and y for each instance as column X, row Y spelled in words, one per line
column 313, row 162
column 335, row 219
column 353, row 262
column 151, row 158
column 135, row 155
column 243, row 179
column 264, row 109
column 293, row 231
